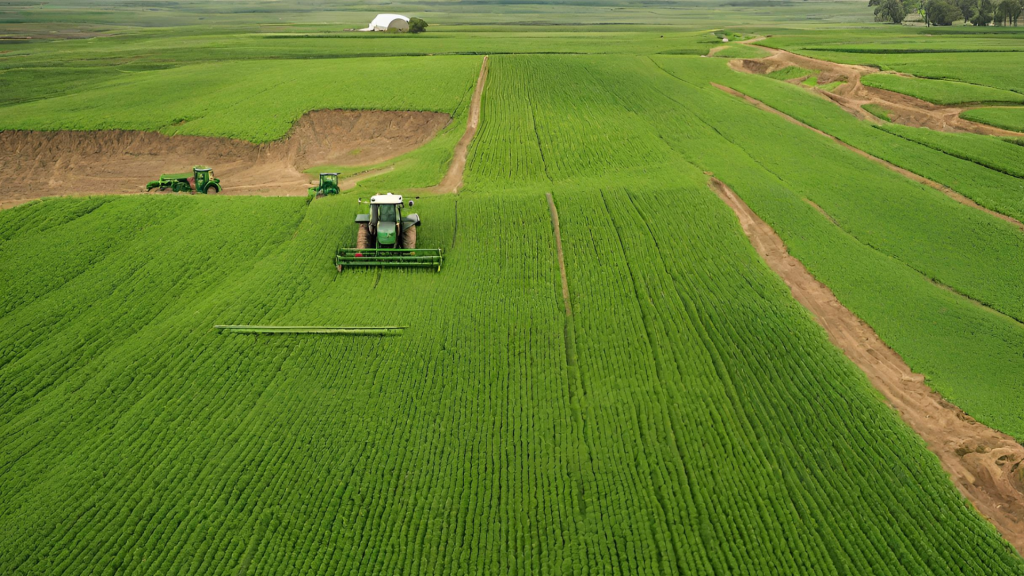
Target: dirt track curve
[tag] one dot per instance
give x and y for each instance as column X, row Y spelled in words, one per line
column 852, row 95
column 982, row 462
column 37, row 164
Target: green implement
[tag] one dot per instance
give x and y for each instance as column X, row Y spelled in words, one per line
column 200, row 180
column 347, row 330
column 387, row 239
column 328, row 185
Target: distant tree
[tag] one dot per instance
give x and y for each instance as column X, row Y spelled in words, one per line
column 940, row 13
column 968, row 8
column 915, row 6
column 984, row 14
column 890, row 11
column 417, row 25
column 1008, row 12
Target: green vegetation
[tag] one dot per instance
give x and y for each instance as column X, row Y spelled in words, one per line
column 687, row 416
column 986, row 151
column 1007, row 118
column 885, row 231
column 741, row 51
column 793, row 73
column 417, row 25
column 832, row 85
column 940, row 91
column 254, row 101
column 877, row 111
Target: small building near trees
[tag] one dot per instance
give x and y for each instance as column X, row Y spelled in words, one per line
column 389, row 23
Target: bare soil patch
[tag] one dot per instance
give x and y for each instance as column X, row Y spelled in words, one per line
column 37, row 164
column 852, row 95
column 982, row 463
column 902, row 171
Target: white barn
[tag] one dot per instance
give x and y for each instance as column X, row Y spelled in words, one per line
column 389, row 22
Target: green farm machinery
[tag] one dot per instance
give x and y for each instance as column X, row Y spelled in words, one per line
column 200, row 180
column 388, row 239
column 328, row 185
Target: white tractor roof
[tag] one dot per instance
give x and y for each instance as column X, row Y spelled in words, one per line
column 388, row 198
column 383, row 20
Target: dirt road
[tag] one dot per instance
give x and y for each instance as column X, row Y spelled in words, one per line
column 982, row 463
column 452, row 180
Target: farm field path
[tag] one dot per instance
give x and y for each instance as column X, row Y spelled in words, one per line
column 452, row 180
column 980, row 460
column 915, row 177
column 853, row 95
column 35, row 164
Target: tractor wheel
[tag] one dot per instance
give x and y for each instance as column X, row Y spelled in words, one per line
column 409, row 238
column 363, row 236
column 211, row 190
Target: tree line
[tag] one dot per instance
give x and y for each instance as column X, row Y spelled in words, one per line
column 946, row 12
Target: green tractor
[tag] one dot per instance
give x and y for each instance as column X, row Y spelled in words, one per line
column 328, row 185
column 200, row 180
column 388, row 239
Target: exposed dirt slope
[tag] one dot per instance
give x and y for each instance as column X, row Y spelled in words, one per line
column 852, row 95
column 915, row 177
column 982, row 463
column 36, row 164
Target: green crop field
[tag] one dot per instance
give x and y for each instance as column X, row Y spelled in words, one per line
column 1008, row 118
column 940, row 91
column 630, row 391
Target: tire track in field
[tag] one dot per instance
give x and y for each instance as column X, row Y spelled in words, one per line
column 981, row 462
column 902, row 171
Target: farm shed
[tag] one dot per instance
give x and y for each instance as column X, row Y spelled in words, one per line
column 389, row 23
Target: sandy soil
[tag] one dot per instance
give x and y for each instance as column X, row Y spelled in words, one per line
column 852, row 95
column 982, row 463
column 452, row 180
column 37, row 164
column 915, row 177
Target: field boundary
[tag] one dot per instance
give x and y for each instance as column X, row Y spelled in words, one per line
column 982, row 462
column 902, row 171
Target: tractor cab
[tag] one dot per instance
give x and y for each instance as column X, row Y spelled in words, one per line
column 328, row 185
column 203, row 177
column 386, row 217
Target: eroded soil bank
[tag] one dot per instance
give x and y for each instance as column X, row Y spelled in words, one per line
column 852, row 95
column 982, row 463
column 65, row 163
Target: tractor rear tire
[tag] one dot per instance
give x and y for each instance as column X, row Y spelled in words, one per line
column 211, row 190
column 363, row 237
column 409, row 238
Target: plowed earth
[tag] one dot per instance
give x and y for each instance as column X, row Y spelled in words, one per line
column 852, row 95
column 37, row 164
